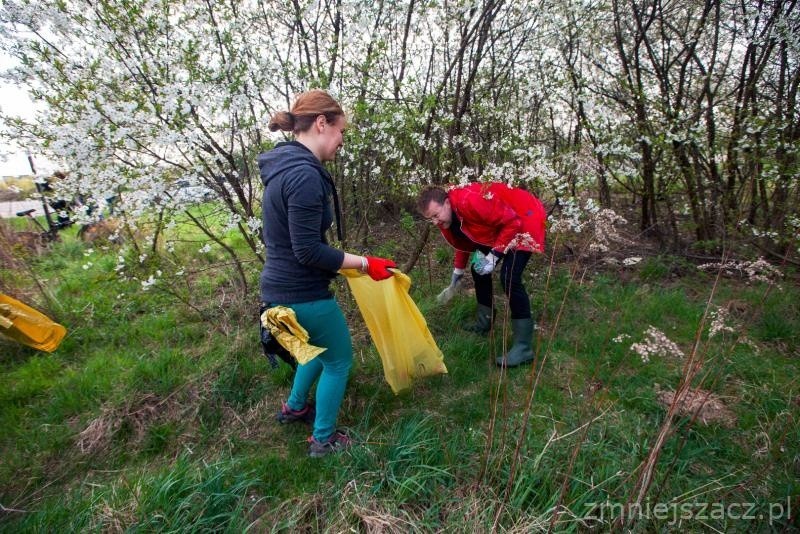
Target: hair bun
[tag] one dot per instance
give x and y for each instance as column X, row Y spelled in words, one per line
column 282, row 120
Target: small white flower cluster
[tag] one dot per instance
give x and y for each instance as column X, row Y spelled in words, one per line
column 205, row 248
column 769, row 234
column 463, row 175
column 541, row 168
column 620, row 338
column 525, row 241
column 569, row 220
column 656, row 343
column 233, row 221
column 147, row 284
column 254, row 223
column 618, row 148
column 719, row 323
column 591, row 206
column 505, row 172
column 605, row 223
column 759, row 270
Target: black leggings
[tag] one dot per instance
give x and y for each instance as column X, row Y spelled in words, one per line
column 511, row 278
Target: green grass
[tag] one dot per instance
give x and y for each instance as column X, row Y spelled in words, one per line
column 180, row 498
column 154, row 415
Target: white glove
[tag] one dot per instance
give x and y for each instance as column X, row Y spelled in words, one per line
column 450, row 291
column 456, row 277
column 485, row 264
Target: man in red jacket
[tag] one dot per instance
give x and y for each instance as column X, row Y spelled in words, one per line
column 505, row 225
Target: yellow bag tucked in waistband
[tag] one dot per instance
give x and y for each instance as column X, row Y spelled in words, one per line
column 282, row 324
column 399, row 331
column 28, row 326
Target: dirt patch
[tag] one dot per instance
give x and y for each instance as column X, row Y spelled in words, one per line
column 705, row 406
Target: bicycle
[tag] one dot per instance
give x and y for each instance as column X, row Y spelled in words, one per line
column 49, row 234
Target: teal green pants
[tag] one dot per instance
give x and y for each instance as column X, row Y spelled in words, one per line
column 324, row 321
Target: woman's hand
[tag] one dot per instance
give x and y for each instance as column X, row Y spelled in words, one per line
column 378, row 268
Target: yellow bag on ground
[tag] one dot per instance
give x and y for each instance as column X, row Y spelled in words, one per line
column 399, row 331
column 28, row 326
column 282, row 324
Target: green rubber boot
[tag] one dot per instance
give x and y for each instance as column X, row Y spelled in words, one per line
column 483, row 320
column 521, row 352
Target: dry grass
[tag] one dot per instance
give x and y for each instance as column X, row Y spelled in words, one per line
column 138, row 414
column 707, row 407
column 375, row 520
column 16, row 245
column 16, row 251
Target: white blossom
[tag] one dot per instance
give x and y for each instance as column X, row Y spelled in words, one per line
column 656, row 343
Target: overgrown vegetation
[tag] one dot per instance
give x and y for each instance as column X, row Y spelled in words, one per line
column 667, row 349
column 157, row 411
column 16, row 188
column 690, row 109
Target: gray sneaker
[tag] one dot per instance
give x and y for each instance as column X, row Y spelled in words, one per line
column 337, row 442
column 287, row 415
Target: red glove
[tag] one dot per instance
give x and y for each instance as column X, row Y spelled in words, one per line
column 378, row 268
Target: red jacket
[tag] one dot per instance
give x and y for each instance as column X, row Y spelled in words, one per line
column 497, row 216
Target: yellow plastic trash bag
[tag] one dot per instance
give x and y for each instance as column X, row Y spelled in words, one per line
column 282, row 324
column 30, row 327
column 399, row 331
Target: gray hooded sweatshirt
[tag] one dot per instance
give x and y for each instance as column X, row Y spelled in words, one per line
column 296, row 212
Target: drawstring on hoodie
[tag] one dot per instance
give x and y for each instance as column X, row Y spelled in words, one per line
column 337, row 212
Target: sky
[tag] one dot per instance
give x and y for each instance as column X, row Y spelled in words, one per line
column 13, row 160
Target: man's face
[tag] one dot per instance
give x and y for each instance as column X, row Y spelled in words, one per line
column 439, row 214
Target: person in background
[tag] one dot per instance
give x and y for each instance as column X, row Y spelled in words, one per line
column 300, row 264
column 504, row 226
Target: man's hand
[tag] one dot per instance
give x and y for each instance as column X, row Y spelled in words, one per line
column 450, row 291
column 486, row 264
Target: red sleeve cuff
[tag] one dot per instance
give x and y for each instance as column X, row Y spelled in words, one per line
column 461, row 259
